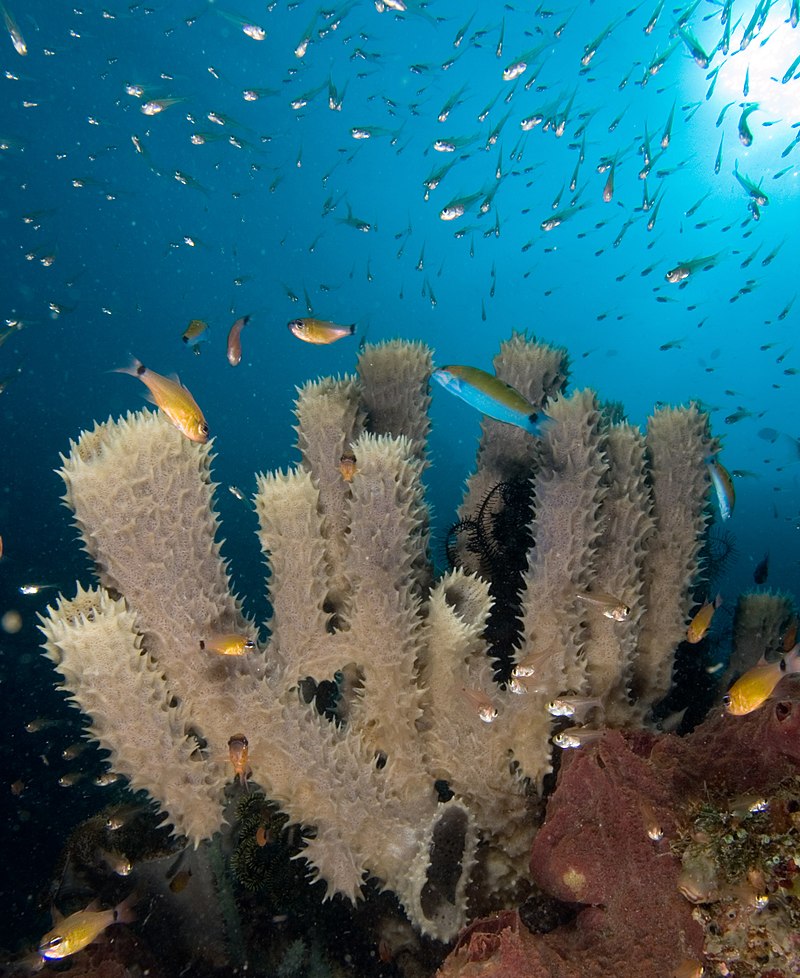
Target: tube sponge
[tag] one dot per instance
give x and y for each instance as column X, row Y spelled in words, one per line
column 96, row 645
column 678, row 443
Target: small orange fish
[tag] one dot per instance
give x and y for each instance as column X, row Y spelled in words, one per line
column 318, row 331
column 235, row 341
column 701, row 622
column 228, row 644
column 173, row 399
column 347, row 466
column 756, row 686
column 238, row 749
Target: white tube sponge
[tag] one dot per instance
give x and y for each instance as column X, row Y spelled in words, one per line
column 394, row 379
column 569, row 489
column 678, row 442
column 96, row 645
column 627, row 524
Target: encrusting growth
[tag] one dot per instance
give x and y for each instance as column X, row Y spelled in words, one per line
column 355, row 606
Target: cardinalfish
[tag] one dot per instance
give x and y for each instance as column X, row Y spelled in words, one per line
column 173, row 399
column 491, row 396
column 684, row 269
column 158, row 105
column 74, row 933
column 318, row 331
column 755, row 687
column 701, row 622
column 723, row 487
column 193, row 333
column 610, row 606
column 238, row 750
column 483, row 706
column 235, row 341
column 347, row 465
column 232, row 644
column 14, row 32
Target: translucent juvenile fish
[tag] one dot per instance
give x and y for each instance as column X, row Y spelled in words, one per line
column 13, row 31
column 491, row 396
column 234, row 347
column 228, row 644
column 319, row 331
column 238, row 750
column 74, row 933
column 575, row 707
column 701, row 622
column 610, row 606
column 755, row 687
column 575, row 737
column 157, row 105
column 484, row 707
column 173, row 399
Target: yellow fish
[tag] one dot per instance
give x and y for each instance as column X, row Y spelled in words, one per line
column 238, row 750
column 193, row 332
column 756, row 686
column 74, row 933
column 318, row 331
column 232, row 644
column 173, row 399
column 701, row 622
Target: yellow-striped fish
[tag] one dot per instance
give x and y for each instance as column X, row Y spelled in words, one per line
column 173, row 399
column 319, row 331
column 74, row 933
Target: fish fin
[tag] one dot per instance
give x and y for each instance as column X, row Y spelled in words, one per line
column 352, row 328
column 540, row 423
column 135, row 368
column 56, row 914
column 94, row 906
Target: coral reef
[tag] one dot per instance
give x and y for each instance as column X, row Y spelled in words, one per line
column 675, row 853
column 399, row 777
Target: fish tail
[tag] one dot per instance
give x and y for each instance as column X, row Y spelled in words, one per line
column 351, row 328
column 135, row 368
column 540, row 423
column 124, row 912
column 791, row 661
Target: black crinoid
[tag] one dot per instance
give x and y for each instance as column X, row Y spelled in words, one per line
column 499, row 538
column 719, row 552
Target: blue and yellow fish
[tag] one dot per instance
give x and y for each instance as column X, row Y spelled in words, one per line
column 491, row 396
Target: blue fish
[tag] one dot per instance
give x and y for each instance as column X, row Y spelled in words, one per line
column 491, row 396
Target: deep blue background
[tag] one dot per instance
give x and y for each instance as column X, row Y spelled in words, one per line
column 128, row 284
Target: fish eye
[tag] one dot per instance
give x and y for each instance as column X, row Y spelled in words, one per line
column 203, row 429
column 249, row 644
column 726, row 700
column 53, row 942
column 296, row 324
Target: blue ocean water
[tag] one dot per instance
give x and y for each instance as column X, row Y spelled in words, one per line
column 118, row 229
